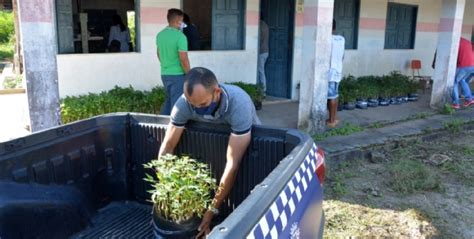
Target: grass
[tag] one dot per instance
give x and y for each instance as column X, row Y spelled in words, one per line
column 6, row 51
column 453, row 126
column 345, row 130
column 410, row 176
column 461, row 169
column 447, row 110
column 347, row 220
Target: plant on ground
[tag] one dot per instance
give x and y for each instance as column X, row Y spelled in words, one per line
column 345, row 130
column 7, row 35
column 409, row 176
column 421, row 115
column 7, row 27
column 255, row 91
column 182, row 187
column 462, row 169
column 448, row 110
column 13, row 82
column 116, row 100
column 453, row 126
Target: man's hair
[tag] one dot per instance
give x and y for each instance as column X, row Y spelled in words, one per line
column 333, row 24
column 186, row 18
column 173, row 13
column 199, row 76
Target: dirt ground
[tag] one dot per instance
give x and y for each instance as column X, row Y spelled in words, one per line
column 412, row 189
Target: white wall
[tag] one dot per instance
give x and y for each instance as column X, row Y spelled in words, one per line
column 83, row 73
column 372, row 59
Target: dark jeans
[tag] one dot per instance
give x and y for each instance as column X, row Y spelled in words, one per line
column 174, row 89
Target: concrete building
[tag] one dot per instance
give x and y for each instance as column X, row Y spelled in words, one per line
column 381, row 36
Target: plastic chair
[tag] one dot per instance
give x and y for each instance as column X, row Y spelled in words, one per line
column 425, row 81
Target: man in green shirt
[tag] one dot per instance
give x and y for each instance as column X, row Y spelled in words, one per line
column 172, row 52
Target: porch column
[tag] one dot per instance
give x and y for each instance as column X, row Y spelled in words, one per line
column 317, row 31
column 38, row 37
column 450, row 26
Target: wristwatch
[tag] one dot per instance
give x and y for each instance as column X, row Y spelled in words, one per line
column 214, row 210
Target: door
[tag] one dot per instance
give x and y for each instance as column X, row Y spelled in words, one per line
column 227, row 24
column 65, row 26
column 346, row 14
column 279, row 16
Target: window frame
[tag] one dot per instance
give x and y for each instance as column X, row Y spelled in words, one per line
column 412, row 31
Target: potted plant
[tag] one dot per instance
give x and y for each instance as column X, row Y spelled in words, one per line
column 257, row 98
column 340, row 101
column 181, row 194
column 350, row 103
column 347, row 88
column 384, row 91
column 362, row 89
column 255, row 91
column 412, row 89
column 373, row 94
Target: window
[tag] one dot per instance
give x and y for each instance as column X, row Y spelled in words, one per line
column 219, row 23
column 401, row 26
column 85, row 26
column 346, row 14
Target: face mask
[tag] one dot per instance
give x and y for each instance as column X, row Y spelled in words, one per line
column 182, row 26
column 207, row 110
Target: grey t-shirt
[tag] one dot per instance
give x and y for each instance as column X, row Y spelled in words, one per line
column 236, row 109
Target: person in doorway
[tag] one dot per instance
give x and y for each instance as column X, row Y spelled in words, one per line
column 206, row 100
column 192, row 34
column 118, row 34
column 464, row 73
column 263, row 54
column 335, row 75
column 172, row 52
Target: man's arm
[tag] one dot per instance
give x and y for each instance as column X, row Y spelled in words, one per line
column 235, row 151
column 158, row 54
column 172, row 136
column 183, row 58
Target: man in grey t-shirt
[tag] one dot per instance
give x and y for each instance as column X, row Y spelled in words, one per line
column 205, row 100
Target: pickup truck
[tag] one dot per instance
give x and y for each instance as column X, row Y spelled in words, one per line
column 85, row 180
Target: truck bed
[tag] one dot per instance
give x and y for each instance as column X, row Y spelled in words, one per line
column 85, row 179
column 120, row 220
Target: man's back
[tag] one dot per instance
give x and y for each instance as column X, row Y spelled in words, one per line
column 337, row 55
column 465, row 55
column 170, row 42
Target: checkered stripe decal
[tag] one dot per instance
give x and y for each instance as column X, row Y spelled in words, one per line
column 274, row 221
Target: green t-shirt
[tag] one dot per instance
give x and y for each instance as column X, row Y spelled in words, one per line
column 170, row 41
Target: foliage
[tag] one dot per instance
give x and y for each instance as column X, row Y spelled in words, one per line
column 409, row 176
column 7, row 50
column 345, row 130
column 182, row 187
column 116, row 100
column 7, row 27
column 7, row 35
column 391, row 85
column 347, row 89
column 255, row 91
column 448, row 110
column 13, row 83
column 453, row 126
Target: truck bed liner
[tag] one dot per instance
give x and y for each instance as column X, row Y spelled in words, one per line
column 120, row 220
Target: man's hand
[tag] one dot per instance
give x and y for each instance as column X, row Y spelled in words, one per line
column 204, row 227
column 172, row 136
column 184, row 60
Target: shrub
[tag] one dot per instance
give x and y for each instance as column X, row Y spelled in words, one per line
column 116, row 100
column 253, row 90
column 7, row 27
